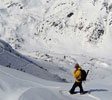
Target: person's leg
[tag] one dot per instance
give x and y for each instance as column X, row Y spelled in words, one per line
column 81, row 88
column 73, row 88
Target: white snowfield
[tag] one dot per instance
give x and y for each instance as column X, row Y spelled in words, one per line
column 18, row 85
column 54, row 35
column 66, row 26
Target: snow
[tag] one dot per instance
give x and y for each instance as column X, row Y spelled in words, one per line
column 23, row 25
column 40, row 42
column 16, row 85
column 19, row 85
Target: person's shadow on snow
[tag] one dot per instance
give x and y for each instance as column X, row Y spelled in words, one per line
column 98, row 90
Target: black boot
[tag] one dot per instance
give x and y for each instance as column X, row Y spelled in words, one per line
column 71, row 92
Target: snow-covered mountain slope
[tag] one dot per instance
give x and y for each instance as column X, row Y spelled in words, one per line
column 66, row 26
column 55, row 34
column 16, row 85
column 12, row 59
column 42, row 28
column 54, row 67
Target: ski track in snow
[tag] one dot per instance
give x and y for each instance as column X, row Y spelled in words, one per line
column 69, row 96
column 94, row 97
column 18, row 94
column 66, row 95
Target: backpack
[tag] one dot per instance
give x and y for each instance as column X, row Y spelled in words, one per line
column 84, row 75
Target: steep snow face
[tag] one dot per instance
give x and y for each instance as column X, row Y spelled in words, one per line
column 12, row 59
column 78, row 24
column 59, row 26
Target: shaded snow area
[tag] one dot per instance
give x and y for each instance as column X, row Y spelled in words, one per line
column 53, row 79
column 12, row 59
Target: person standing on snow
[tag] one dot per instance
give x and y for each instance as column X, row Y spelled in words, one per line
column 78, row 82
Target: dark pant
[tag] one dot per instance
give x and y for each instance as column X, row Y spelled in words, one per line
column 77, row 84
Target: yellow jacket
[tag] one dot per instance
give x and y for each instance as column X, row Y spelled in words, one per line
column 77, row 74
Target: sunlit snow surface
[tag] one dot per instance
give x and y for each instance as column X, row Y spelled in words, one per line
column 18, row 85
column 66, row 26
column 54, row 35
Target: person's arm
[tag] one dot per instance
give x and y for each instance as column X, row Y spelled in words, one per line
column 74, row 73
column 77, row 74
